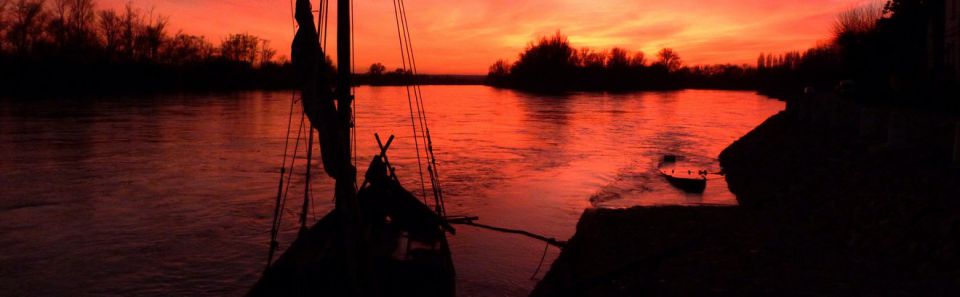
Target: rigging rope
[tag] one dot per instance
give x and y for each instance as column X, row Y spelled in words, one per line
column 281, row 192
column 416, row 141
column 284, row 190
column 353, row 93
column 435, row 175
column 306, row 191
column 420, row 124
column 293, row 160
column 274, row 227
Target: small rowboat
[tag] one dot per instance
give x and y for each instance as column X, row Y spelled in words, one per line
column 683, row 178
column 688, row 181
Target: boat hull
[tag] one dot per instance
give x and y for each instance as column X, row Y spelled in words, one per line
column 687, row 184
column 394, row 245
column 318, row 264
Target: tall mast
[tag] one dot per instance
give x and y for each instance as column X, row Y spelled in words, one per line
column 346, row 192
column 345, row 188
column 343, row 54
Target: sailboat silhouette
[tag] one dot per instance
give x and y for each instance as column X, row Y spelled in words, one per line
column 380, row 239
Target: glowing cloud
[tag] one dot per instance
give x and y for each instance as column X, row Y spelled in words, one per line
column 467, row 36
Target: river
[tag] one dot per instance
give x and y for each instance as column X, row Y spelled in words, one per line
column 173, row 195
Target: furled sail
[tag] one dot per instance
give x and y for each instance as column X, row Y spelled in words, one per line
column 316, row 93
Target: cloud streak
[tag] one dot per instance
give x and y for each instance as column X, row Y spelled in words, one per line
column 467, row 36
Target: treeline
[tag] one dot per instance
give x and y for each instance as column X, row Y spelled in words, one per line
column 70, row 46
column 553, row 64
column 882, row 50
column 377, row 75
column 790, row 73
column 889, row 52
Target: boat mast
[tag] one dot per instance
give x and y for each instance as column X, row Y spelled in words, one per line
column 346, row 191
column 346, row 183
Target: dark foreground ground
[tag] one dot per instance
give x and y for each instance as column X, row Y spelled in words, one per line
column 827, row 209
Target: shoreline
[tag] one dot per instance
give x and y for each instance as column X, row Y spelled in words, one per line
column 835, row 198
column 16, row 96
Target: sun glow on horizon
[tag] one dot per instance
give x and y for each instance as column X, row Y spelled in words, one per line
column 465, row 37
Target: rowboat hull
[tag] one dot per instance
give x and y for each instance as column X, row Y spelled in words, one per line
column 691, row 184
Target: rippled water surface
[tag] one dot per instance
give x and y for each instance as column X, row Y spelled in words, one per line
column 173, row 195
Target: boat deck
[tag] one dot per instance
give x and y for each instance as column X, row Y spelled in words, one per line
column 318, row 263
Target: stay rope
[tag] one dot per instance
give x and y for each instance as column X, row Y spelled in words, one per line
column 283, row 190
column 419, row 121
column 284, row 185
column 353, row 93
column 413, row 125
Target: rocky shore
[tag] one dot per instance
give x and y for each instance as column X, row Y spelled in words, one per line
column 836, row 198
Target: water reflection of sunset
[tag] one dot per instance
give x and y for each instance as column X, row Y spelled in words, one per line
column 467, row 36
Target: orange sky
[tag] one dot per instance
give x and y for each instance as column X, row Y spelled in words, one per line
column 467, row 36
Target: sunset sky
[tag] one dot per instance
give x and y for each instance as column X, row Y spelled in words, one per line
column 467, row 36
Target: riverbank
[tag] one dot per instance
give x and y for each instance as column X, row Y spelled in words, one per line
column 249, row 81
column 836, row 198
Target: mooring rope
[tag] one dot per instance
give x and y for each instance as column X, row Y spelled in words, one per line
column 470, row 221
column 539, row 265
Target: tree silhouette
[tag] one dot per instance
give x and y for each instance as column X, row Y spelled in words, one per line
column 617, row 70
column 854, row 34
column 240, row 48
column 77, row 20
column 377, row 69
column 26, row 25
column 71, row 44
column 109, row 26
column 3, row 23
column 638, row 60
column 551, row 64
column 82, row 15
column 58, row 24
column 266, row 53
column 617, row 59
column 548, row 62
column 910, row 9
column 588, row 58
column 498, row 73
column 130, row 23
column 669, row 59
column 858, row 20
column 187, row 49
column 152, row 37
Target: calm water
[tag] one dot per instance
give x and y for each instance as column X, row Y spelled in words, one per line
column 173, row 195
